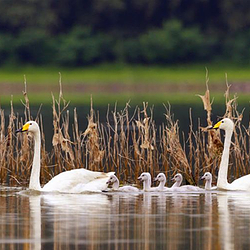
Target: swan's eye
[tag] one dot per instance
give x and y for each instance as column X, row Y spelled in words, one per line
column 222, row 121
column 30, row 124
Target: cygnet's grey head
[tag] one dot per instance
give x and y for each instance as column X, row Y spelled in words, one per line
column 178, row 178
column 112, row 179
column 207, row 176
column 160, row 177
column 144, row 177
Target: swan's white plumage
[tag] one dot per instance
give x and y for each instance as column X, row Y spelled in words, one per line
column 185, row 188
column 240, row 184
column 77, row 181
column 73, row 181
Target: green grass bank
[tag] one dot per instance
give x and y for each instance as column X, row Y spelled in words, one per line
column 121, row 83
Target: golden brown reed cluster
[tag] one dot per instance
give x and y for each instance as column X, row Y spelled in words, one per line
column 129, row 145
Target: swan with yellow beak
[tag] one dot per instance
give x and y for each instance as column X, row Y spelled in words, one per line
column 72, row 181
column 242, row 183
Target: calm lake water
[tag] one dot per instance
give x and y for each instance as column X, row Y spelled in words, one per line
column 125, row 221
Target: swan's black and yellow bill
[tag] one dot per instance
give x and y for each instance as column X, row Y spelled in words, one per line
column 217, row 125
column 24, row 128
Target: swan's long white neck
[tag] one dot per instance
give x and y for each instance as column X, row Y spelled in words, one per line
column 177, row 183
column 162, row 185
column 208, row 184
column 36, row 166
column 147, row 185
column 222, row 175
column 115, row 185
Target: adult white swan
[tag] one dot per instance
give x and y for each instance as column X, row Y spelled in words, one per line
column 73, row 181
column 243, row 183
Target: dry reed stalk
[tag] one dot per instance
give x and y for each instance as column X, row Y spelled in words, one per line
column 3, row 147
column 145, row 126
column 128, row 165
column 108, row 144
column 130, row 145
column 215, row 145
column 136, row 153
column 63, row 155
column 123, row 147
column 239, row 147
column 208, row 150
column 77, row 139
column 177, row 155
column 95, row 154
column 115, row 153
column 164, row 150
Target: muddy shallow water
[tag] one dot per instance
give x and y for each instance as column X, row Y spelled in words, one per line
column 219, row 220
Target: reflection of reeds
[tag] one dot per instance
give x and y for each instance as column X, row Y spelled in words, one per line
column 128, row 143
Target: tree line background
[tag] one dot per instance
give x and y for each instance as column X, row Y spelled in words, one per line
column 85, row 32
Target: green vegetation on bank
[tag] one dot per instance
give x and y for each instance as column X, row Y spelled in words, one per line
column 121, row 99
column 121, row 83
column 127, row 74
column 79, row 33
column 172, row 43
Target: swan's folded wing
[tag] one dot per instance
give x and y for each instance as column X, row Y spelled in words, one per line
column 69, row 180
column 242, row 183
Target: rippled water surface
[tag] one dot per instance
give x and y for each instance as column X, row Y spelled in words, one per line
column 124, row 221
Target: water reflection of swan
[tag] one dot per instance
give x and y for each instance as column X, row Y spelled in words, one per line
column 72, row 181
column 35, row 222
column 80, row 203
column 231, row 206
column 64, row 214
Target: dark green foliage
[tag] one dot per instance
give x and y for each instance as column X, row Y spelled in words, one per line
column 34, row 46
column 6, row 47
column 76, row 33
column 237, row 48
column 81, row 47
column 172, row 43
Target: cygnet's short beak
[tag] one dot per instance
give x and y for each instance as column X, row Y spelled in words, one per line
column 139, row 178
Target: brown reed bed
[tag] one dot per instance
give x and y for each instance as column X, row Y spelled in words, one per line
column 129, row 145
